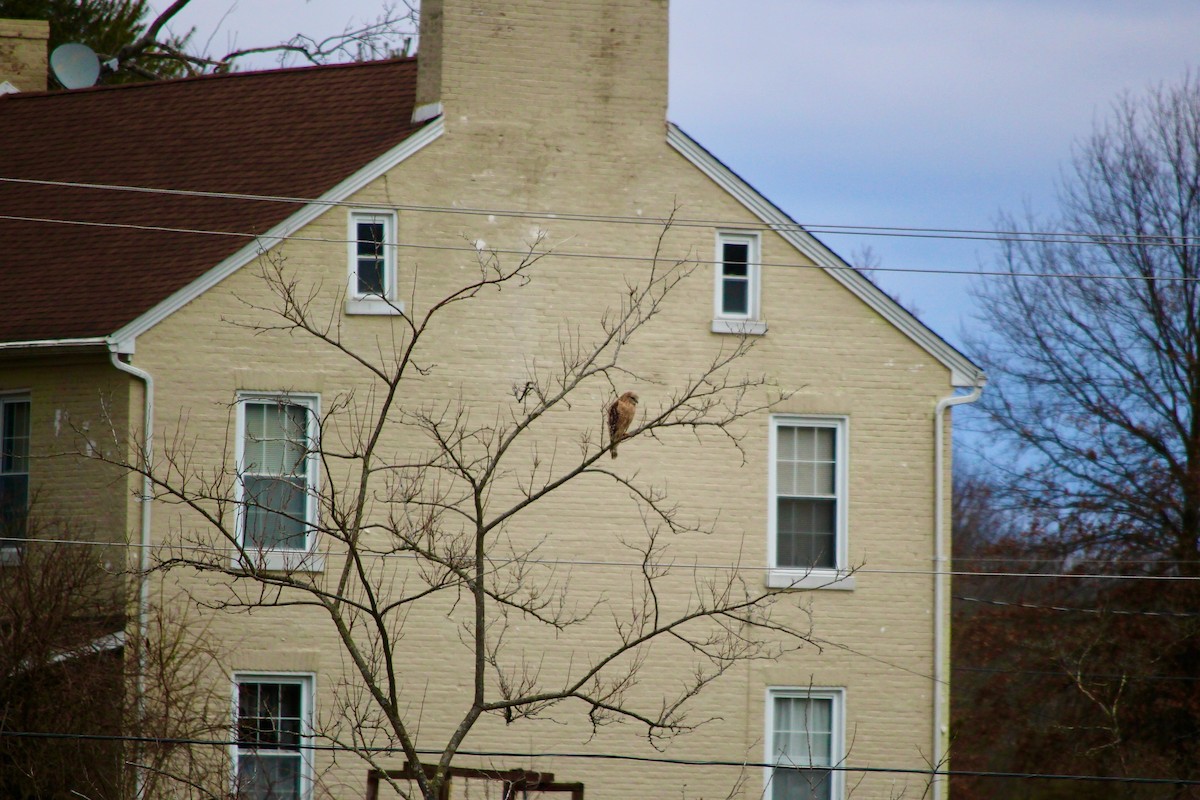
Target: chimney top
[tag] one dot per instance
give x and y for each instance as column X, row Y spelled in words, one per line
column 23, row 45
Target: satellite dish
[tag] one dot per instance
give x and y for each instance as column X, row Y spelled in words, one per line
column 75, row 65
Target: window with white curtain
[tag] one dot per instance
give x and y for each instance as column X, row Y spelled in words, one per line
column 277, row 472
column 808, row 502
column 805, row 736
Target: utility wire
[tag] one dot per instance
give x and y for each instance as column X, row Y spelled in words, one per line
column 606, row 256
column 685, row 762
column 1133, row 676
column 1098, row 611
column 1059, row 560
column 1163, row 240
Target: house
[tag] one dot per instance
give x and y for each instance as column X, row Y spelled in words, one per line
column 219, row 281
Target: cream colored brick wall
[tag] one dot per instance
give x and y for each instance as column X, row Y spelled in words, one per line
column 512, row 143
column 842, row 358
column 23, row 54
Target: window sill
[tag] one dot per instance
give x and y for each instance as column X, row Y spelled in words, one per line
column 283, row 561
column 810, row 579
column 373, row 306
column 743, row 327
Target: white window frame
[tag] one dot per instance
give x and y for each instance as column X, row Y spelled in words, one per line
column 9, row 550
column 788, row 577
column 306, row 558
column 370, row 303
column 307, row 683
column 837, row 698
column 751, row 321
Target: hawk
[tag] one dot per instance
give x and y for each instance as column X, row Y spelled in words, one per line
column 620, row 417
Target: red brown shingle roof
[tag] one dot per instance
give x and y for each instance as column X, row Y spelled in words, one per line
column 295, row 133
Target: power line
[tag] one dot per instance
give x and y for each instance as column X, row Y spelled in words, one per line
column 1060, row 560
column 684, row 762
column 1133, row 676
column 1097, row 611
column 527, row 252
column 1106, row 238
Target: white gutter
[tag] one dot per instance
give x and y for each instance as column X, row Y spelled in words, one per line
column 941, row 656
column 144, row 538
column 95, row 341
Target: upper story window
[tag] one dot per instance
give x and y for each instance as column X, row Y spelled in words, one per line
column 277, row 478
column 737, row 292
column 274, row 722
column 808, row 511
column 14, row 465
column 372, row 264
column 805, row 735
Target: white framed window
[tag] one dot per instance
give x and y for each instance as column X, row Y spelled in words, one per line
column 372, row 264
column 277, row 466
column 273, row 716
column 805, row 735
column 808, row 509
column 737, row 291
column 15, row 434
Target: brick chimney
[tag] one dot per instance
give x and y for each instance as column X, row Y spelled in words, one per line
column 23, row 45
column 545, row 61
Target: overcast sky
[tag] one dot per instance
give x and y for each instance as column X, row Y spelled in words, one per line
column 892, row 113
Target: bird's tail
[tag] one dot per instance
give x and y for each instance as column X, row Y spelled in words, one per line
column 613, row 453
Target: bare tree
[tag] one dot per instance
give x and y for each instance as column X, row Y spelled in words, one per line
column 133, row 44
column 86, row 708
column 1094, row 352
column 1097, row 362
column 443, row 532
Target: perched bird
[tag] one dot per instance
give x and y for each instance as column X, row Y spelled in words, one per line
column 620, row 417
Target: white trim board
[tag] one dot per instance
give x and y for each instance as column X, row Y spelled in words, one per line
column 963, row 372
column 277, row 234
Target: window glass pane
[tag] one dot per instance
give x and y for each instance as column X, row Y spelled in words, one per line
column 806, row 461
column 268, row 777
column 735, row 296
column 370, row 264
column 370, row 239
column 801, row 784
column 14, row 450
column 735, row 256
column 805, row 533
column 14, row 505
column 804, row 442
column 14, row 468
column 276, row 436
column 823, row 443
column 786, row 443
column 370, row 276
column 803, row 731
column 275, row 509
